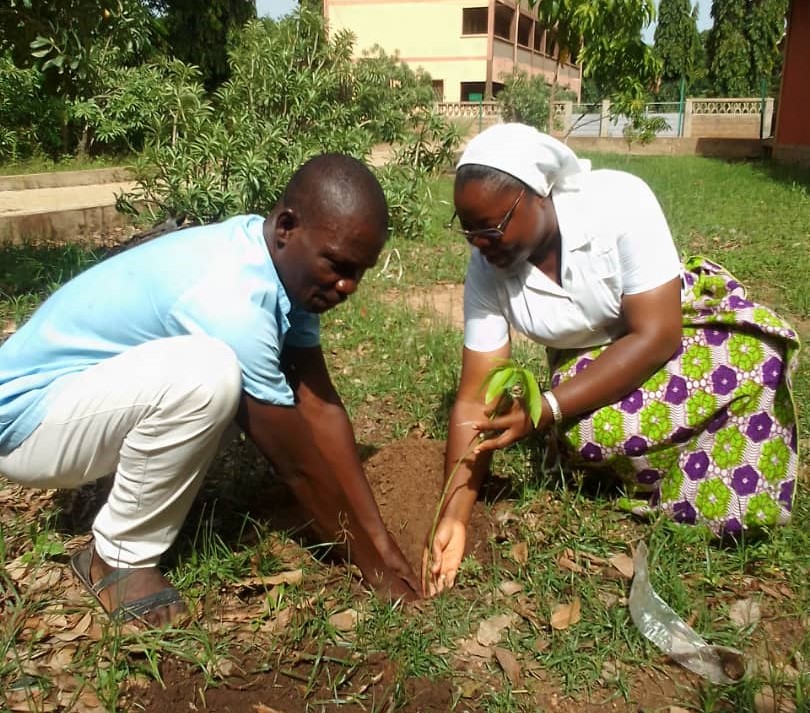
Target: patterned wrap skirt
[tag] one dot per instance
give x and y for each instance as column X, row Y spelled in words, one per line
column 710, row 438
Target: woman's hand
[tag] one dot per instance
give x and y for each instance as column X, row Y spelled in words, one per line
column 439, row 572
column 513, row 424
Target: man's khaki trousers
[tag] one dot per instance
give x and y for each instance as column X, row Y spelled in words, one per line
column 154, row 416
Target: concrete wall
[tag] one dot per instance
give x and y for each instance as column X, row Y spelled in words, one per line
column 710, row 147
column 730, row 126
column 82, row 225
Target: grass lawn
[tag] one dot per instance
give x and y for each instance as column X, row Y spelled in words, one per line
column 42, row 164
column 283, row 629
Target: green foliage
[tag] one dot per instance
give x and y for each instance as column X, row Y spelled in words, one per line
column 294, row 92
column 677, row 42
column 127, row 104
column 198, row 33
column 605, row 36
column 643, row 129
column 743, row 45
column 71, row 41
column 72, row 51
column 525, row 99
column 29, row 119
column 384, row 81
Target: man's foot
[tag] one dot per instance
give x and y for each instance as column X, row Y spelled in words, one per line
column 141, row 594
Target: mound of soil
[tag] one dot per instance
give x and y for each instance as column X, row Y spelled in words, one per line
column 407, row 478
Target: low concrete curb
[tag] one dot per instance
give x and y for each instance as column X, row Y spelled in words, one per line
column 64, row 179
column 78, row 225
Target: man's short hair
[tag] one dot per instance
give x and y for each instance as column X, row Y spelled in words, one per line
column 335, row 185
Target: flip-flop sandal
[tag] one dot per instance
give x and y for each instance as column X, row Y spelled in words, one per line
column 128, row 611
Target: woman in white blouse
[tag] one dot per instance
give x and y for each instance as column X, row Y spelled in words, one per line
column 662, row 373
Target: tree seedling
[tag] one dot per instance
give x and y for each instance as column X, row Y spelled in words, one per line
column 504, row 383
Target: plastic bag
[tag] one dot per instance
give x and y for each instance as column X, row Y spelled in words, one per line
column 657, row 621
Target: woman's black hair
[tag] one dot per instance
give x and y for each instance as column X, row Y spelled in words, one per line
column 495, row 179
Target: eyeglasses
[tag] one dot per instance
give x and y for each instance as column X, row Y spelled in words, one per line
column 489, row 234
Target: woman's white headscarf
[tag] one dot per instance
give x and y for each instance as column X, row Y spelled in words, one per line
column 535, row 158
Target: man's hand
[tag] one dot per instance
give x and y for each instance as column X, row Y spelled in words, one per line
column 397, row 580
column 439, row 571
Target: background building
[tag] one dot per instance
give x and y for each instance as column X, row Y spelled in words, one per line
column 466, row 46
column 792, row 139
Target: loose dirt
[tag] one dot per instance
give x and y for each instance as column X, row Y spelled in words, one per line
column 407, row 479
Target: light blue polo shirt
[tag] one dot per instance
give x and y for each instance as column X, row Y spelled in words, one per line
column 217, row 280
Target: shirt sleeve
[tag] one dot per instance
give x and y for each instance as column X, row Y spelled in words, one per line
column 305, row 329
column 248, row 324
column 485, row 326
column 647, row 254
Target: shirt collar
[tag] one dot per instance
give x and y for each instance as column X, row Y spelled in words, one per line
column 571, row 220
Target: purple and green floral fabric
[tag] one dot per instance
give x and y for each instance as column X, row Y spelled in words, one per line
column 711, row 437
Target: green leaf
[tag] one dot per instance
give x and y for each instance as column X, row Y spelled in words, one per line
column 496, row 381
column 531, row 394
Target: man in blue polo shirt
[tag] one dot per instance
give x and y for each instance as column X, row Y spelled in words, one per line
column 137, row 366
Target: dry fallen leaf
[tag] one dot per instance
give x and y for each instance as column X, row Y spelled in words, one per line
column 566, row 563
column 767, row 701
column 509, row 664
column 593, row 559
column 78, row 631
column 490, row 630
column 509, row 588
column 608, row 599
column 610, row 672
column 280, row 622
column 345, row 620
column 520, row 552
column 471, row 688
column 261, row 708
column 744, row 612
column 472, row 648
column 541, row 643
column 295, row 576
column 624, row 564
column 565, row 615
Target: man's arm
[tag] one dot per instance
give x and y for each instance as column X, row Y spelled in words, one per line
column 312, row 447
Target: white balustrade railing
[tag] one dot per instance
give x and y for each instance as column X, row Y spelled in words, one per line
column 596, row 120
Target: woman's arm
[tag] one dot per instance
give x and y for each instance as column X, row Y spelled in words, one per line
column 654, row 330
column 469, row 408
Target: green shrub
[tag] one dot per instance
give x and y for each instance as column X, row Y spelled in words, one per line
column 29, row 119
column 293, row 92
column 525, row 99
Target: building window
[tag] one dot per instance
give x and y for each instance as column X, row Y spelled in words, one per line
column 472, row 88
column 551, row 44
column 474, row 21
column 438, row 90
column 503, row 21
column 539, row 32
column 524, row 30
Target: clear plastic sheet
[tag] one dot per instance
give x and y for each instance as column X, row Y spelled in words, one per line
column 657, row 621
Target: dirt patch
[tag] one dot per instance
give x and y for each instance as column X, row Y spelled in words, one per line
column 438, row 303
column 407, row 478
column 325, row 683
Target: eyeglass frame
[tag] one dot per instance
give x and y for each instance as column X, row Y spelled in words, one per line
column 493, row 234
